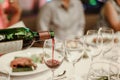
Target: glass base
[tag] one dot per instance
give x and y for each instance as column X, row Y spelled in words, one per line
column 65, row 77
column 74, row 78
column 58, row 78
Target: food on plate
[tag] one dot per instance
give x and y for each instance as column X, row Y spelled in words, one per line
column 37, row 58
column 72, row 44
column 21, row 64
column 104, row 40
column 95, row 40
column 116, row 40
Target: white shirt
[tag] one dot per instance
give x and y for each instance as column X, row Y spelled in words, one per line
column 64, row 22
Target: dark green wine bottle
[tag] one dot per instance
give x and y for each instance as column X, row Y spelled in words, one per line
column 14, row 39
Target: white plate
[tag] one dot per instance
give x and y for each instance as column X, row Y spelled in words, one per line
column 7, row 58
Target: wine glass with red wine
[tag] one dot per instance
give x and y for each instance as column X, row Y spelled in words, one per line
column 53, row 54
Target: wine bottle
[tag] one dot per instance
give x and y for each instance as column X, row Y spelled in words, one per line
column 14, row 39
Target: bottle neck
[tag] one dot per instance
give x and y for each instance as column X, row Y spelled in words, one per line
column 43, row 35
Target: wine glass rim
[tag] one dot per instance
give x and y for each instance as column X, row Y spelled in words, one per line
column 87, row 33
column 92, row 30
column 107, row 28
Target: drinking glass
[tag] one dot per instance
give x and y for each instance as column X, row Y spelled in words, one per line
column 108, row 39
column 93, row 43
column 54, row 52
column 74, row 52
column 103, row 70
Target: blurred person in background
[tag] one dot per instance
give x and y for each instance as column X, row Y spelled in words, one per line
column 42, row 2
column 110, row 15
column 10, row 13
column 29, row 7
column 64, row 17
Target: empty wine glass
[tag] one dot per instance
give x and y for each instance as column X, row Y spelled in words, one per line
column 93, row 43
column 53, row 54
column 108, row 39
column 103, row 70
column 74, row 52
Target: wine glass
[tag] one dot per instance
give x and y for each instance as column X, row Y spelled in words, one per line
column 103, row 70
column 53, row 54
column 93, row 43
column 108, row 39
column 74, row 52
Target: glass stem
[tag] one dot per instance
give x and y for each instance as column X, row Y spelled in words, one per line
column 73, row 73
column 91, row 58
column 52, row 74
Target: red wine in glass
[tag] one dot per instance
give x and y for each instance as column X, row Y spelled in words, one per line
column 54, row 55
column 52, row 63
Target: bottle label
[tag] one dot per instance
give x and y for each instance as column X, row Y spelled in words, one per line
column 2, row 37
column 6, row 47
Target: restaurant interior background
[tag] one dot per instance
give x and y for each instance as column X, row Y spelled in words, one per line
column 31, row 9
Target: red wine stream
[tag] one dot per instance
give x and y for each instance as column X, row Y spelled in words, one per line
column 53, row 44
column 52, row 63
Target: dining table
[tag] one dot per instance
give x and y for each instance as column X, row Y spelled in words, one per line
column 82, row 67
column 81, row 70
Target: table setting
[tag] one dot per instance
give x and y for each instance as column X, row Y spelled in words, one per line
column 40, row 73
column 94, row 56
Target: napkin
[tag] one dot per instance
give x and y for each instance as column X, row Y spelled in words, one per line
column 18, row 24
column 5, row 69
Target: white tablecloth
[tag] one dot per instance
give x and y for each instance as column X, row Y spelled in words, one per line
column 81, row 70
